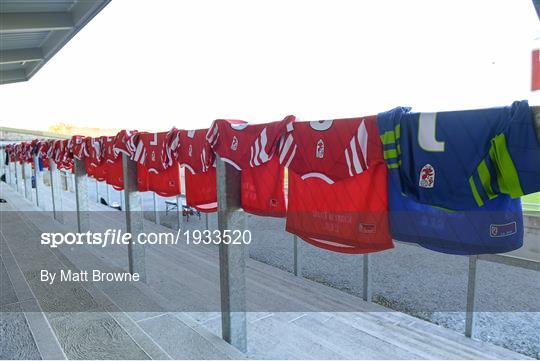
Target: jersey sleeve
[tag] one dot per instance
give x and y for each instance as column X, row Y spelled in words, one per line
column 512, row 165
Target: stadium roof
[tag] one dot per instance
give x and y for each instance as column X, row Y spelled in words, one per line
column 32, row 31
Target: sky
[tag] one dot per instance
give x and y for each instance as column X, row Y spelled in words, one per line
column 156, row 64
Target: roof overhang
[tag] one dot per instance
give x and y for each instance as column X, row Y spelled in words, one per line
column 31, row 32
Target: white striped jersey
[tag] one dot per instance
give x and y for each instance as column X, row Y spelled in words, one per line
column 93, row 150
column 194, row 151
column 246, row 145
column 76, row 145
column 153, row 151
column 124, row 143
column 331, row 149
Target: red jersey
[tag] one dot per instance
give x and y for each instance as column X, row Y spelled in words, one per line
column 76, row 146
column 124, row 143
column 154, row 151
column 18, row 149
column 58, row 153
column 26, row 152
column 337, row 185
column 251, row 149
column 43, row 151
column 10, row 148
column 159, row 173
column 112, row 164
column 92, row 160
column 193, row 154
column 535, row 83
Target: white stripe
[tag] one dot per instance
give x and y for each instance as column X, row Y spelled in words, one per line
column 143, row 157
column 288, row 143
column 251, row 157
column 356, row 161
column 317, row 175
column 213, row 131
column 231, row 163
column 290, row 127
column 188, row 167
column 348, row 162
column 138, row 151
column 281, row 143
column 215, row 141
column 362, row 140
column 255, row 160
column 263, row 156
column 291, row 157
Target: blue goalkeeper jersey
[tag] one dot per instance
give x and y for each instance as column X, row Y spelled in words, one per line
column 495, row 227
column 460, row 160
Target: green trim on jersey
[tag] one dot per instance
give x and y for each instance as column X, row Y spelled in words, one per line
column 391, row 136
column 477, row 197
column 485, row 178
column 507, row 175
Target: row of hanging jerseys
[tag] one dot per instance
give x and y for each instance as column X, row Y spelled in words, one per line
column 449, row 181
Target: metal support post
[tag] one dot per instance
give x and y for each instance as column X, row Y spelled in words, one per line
column 18, row 175
column 108, row 194
column 366, row 275
column 38, row 176
column 12, row 175
column 56, row 192
column 122, row 198
column 134, row 218
column 297, row 257
column 471, row 297
column 3, row 162
column 81, row 196
column 179, row 212
column 232, row 258
column 156, row 211
column 27, row 175
column 9, row 176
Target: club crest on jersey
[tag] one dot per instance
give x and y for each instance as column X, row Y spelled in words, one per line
column 153, row 156
column 234, row 144
column 367, row 228
column 503, row 230
column 190, row 150
column 427, row 176
column 320, row 149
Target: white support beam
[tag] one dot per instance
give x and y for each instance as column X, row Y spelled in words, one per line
column 297, row 257
column 134, row 218
column 81, row 196
column 366, row 278
column 471, row 297
column 232, row 258
column 31, row 22
column 27, row 176
column 15, row 56
column 38, row 175
column 58, row 212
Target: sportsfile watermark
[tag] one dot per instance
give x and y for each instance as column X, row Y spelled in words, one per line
column 112, row 237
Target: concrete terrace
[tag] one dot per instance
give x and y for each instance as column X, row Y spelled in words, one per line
column 142, row 321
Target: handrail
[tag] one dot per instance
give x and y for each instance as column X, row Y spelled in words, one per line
column 38, row 133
